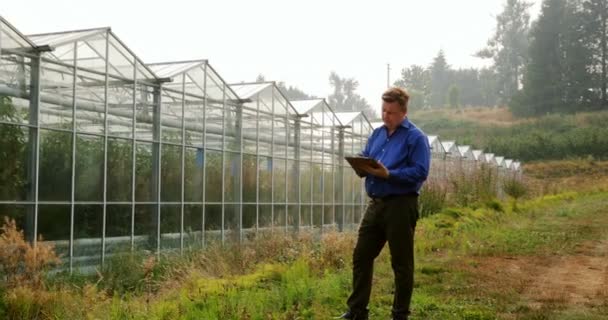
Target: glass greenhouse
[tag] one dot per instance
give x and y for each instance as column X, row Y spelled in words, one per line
column 103, row 153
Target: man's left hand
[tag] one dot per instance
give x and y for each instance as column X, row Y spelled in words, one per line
column 378, row 171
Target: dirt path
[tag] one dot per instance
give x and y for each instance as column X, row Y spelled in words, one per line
column 578, row 280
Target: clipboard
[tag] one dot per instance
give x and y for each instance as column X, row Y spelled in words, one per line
column 356, row 162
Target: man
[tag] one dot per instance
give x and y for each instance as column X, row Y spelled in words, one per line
column 403, row 155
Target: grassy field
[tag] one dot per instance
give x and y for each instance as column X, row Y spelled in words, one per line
column 550, row 137
column 545, row 257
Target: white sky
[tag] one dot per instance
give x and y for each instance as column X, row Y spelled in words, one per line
column 298, row 42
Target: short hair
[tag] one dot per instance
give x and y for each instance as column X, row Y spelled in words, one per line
column 396, row 94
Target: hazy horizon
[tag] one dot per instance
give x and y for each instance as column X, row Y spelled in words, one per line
column 293, row 42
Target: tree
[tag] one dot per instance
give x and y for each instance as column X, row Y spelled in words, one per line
column 596, row 15
column 508, row 47
column 488, row 87
column 345, row 98
column 556, row 77
column 439, row 81
column 294, row 93
column 454, row 96
column 415, row 80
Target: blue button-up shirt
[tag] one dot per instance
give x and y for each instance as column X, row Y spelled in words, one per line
column 407, row 156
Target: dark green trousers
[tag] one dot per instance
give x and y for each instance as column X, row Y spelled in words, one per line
column 391, row 220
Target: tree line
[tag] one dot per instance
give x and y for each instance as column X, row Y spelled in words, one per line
column 556, row 63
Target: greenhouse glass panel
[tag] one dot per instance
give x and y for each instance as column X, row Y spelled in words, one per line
column 265, row 179
column 294, row 219
column 317, row 216
column 56, row 96
column 146, row 224
column 213, row 176
column 89, row 168
column 171, row 173
column 14, row 84
column 265, row 216
column 55, row 171
column 328, row 215
column 317, row 183
column 232, row 173
column 213, row 222
column 193, row 175
column 118, row 223
column 231, row 221
column 214, row 134
column 144, row 111
column 120, row 169
column 306, row 182
column 328, row 184
column 170, row 226
column 249, row 218
column 90, row 105
column 121, row 61
column 144, row 182
column 280, row 217
column 279, row 181
column 306, row 216
column 293, row 194
column 193, row 225
column 14, row 141
column 88, row 224
column 54, row 225
column 171, row 115
column 250, row 130
column 118, row 228
column 250, row 169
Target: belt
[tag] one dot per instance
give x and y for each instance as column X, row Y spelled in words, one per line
column 392, row 196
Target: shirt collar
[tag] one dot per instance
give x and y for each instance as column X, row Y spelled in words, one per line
column 406, row 123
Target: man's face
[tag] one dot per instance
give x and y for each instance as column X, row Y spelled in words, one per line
column 392, row 115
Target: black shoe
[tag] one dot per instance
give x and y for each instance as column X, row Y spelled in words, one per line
column 349, row 315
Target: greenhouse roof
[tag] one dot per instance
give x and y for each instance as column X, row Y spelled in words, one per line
column 11, row 38
column 91, row 51
column 302, row 107
column 346, row 118
column 171, row 69
column 449, row 146
column 248, row 90
column 489, row 157
column 500, row 160
column 477, row 154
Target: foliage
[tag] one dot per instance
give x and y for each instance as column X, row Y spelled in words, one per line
column 514, row 188
column 344, row 96
column 476, row 87
column 557, row 77
column 550, row 137
column 454, row 96
column 21, row 263
column 508, row 47
column 433, row 198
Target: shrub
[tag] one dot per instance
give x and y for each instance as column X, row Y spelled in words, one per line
column 433, row 197
column 514, row 188
column 21, row 263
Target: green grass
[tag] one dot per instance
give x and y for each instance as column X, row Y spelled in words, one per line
column 550, row 137
column 451, row 247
